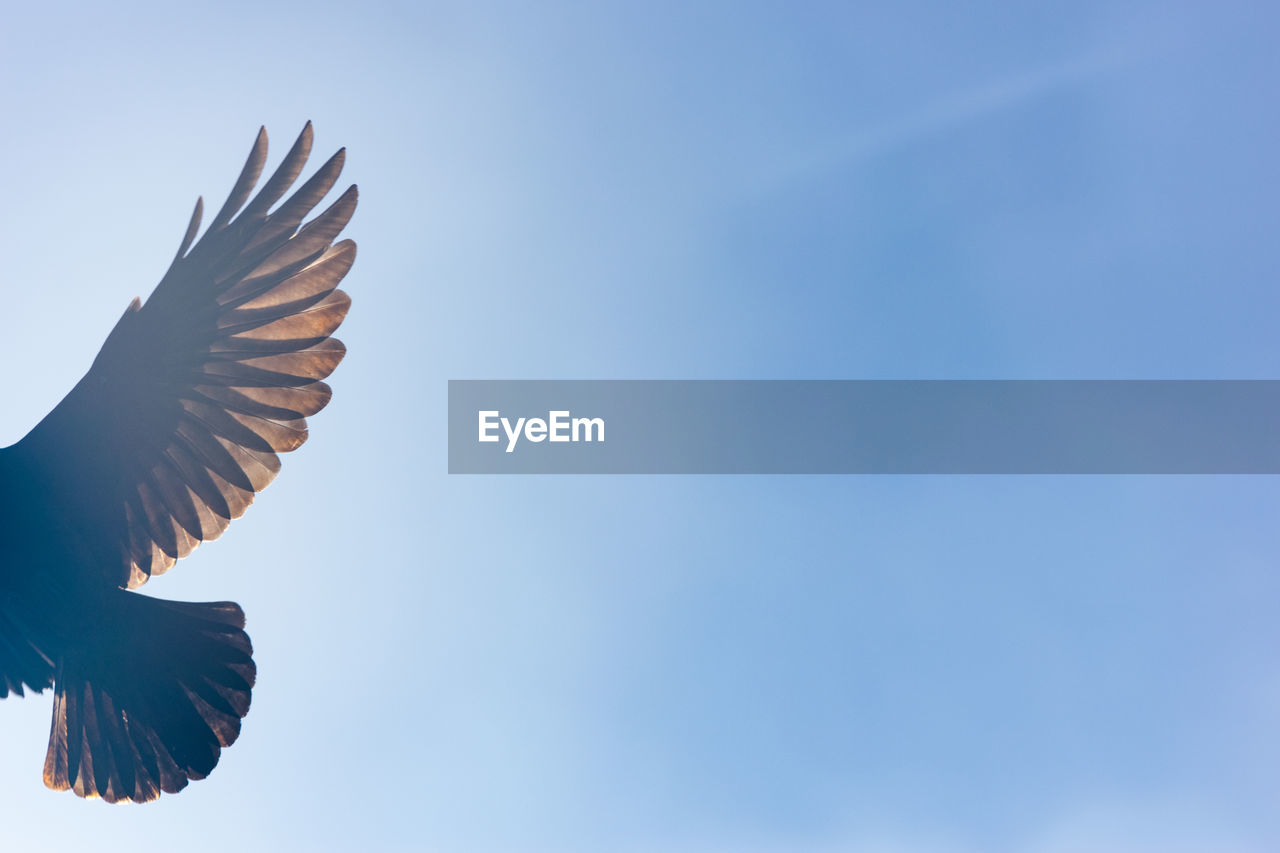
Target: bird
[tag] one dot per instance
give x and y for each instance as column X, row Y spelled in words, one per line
column 175, row 428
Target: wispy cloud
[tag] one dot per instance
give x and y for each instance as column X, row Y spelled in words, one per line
column 1178, row 825
column 943, row 114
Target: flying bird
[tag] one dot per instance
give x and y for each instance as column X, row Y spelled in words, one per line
column 167, row 438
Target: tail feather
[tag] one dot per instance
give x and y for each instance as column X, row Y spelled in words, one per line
column 151, row 705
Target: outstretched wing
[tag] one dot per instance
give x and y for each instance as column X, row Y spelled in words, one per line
column 178, row 423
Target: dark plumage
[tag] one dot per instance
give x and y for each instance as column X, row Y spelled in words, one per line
column 167, row 438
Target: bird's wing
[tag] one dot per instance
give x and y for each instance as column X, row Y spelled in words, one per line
column 178, row 423
column 20, row 661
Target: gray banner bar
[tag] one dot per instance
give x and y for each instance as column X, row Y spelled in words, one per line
column 864, row 427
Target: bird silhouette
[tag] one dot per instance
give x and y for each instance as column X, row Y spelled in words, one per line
column 167, row 438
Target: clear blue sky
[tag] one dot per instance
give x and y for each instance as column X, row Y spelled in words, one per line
column 697, row 190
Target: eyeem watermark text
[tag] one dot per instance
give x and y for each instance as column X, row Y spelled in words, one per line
column 558, row 426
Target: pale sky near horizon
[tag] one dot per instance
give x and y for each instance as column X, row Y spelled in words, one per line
column 696, row 190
